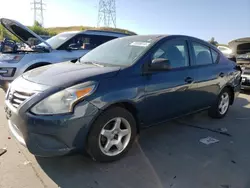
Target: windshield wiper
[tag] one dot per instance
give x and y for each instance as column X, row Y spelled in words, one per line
column 93, row 63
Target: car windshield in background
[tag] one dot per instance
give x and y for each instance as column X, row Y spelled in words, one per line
column 58, row 40
column 119, row 52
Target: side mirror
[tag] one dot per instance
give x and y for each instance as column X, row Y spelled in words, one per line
column 160, row 64
column 74, row 46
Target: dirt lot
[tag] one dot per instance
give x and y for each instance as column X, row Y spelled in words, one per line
column 169, row 155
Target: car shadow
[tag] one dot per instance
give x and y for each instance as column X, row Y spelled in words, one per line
column 166, row 156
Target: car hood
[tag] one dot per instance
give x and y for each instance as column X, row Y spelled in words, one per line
column 68, row 74
column 22, row 32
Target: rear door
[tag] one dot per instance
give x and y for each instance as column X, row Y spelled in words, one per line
column 209, row 75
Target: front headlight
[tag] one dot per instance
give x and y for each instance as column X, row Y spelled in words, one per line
column 63, row 101
column 11, row 58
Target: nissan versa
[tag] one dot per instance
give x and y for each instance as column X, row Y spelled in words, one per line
column 100, row 103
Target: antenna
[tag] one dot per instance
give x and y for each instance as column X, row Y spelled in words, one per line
column 107, row 13
column 37, row 6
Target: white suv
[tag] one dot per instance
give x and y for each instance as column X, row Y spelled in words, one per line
column 60, row 48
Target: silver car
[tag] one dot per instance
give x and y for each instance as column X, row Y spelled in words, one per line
column 241, row 51
column 62, row 47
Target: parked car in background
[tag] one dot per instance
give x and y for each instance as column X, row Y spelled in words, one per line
column 62, row 47
column 45, row 37
column 241, row 51
column 100, row 103
column 225, row 50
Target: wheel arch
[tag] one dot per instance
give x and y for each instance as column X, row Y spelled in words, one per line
column 81, row 138
column 231, row 89
column 129, row 106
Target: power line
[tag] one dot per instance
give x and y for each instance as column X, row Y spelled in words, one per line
column 38, row 7
column 107, row 13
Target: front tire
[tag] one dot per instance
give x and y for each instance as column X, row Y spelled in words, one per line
column 220, row 108
column 111, row 135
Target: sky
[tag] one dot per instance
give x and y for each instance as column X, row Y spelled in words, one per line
column 224, row 20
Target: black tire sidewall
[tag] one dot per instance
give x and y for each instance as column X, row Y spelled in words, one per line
column 93, row 137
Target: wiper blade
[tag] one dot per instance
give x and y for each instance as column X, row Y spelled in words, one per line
column 93, row 63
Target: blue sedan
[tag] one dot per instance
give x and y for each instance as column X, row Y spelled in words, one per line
column 100, row 103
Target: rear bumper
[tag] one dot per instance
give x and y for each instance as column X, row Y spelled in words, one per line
column 49, row 136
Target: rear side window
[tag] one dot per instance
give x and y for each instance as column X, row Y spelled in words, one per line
column 215, row 56
column 202, row 54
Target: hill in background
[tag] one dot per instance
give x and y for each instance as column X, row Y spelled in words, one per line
column 55, row 30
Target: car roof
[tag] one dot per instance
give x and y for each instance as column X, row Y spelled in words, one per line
column 158, row 37
column 99, row 32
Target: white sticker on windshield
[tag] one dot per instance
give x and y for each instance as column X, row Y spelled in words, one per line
column 62, row 38
column 141, row 44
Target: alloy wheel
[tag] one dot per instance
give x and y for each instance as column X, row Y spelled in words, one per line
column 114, row 136
column 224, row 103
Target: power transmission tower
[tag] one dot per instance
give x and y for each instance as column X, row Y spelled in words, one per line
column 37, row 6
column 107, row 13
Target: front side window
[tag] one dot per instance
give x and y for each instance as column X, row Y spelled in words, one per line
column 175, row 51
column 58, row 40
column 202, row 54
column 86, row 41
column 97, row 40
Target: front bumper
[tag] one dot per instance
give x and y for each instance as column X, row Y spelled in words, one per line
column 245, row 82
column 51, row 135
column 4, row 84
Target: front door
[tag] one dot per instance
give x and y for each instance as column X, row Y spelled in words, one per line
column 170, row 93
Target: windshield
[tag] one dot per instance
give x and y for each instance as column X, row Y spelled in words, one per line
column 119, row 52
column 58, row 40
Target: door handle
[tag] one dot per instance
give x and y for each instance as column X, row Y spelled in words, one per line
column 221, row 75
column 189, row 80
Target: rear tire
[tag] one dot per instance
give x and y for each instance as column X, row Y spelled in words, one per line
column 220, row 108
column 112, row 135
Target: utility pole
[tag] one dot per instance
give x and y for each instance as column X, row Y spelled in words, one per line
column 107, row 13
column 38, row 7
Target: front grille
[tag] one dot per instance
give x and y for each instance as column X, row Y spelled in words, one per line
column 16, row 98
